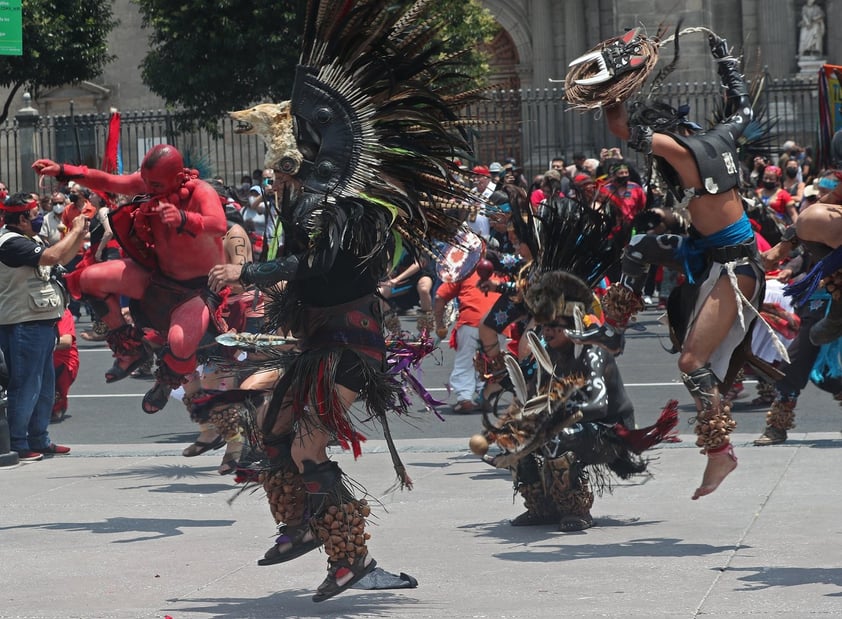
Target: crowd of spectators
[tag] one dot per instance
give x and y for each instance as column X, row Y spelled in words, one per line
column 776, row 188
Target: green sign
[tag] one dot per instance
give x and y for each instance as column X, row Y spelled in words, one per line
column 11, row 28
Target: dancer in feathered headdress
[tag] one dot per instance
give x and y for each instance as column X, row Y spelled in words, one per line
column 712, row 314
column 363, row 156
column 571, row 426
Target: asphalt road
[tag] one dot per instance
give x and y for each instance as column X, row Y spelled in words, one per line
column 100, row 413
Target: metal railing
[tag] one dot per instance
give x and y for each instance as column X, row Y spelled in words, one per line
column 530, row 126
column 533, row 126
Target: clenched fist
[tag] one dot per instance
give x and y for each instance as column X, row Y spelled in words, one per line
column 718, row 46
column 170, row 214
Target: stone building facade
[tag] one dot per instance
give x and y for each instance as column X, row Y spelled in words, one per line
column 545, row 35
column 537, row 41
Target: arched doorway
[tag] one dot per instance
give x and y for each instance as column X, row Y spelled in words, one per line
column 501, row 137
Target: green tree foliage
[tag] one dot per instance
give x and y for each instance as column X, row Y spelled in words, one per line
column 208, row 58
column 467, row 26
column 211, row 57
column 64, row 41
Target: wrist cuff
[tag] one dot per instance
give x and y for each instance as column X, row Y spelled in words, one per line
column 70, row 172
column 246, row 274
column 789, row 236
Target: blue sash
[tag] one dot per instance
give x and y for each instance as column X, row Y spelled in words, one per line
column 691, row 253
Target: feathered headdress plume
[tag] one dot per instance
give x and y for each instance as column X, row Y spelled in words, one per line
column 373, row 117
column 567, row 234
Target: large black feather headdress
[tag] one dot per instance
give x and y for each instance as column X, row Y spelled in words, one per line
column 373, row 118
column 576, row 245
column 567, row 233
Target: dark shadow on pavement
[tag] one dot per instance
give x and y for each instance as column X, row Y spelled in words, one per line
column 156, row 528
column 768, row 577
column 169, row 439
column 644, row 547
column 350, row 604
column 502, row 530
column 186, row 488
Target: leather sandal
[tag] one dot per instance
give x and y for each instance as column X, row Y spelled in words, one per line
column 298, row 540
column 119, row 373
column 346, row 574
column 200, row 447
column 156, row 398
column 531, row 519
column 228, row 466
column 231, row 458
column 571, row 523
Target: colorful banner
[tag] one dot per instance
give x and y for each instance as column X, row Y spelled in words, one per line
column 830, row 111
column 11, row 28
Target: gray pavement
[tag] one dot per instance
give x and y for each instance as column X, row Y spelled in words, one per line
column 136, row 531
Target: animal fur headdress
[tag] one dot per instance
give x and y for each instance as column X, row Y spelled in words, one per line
column 558, row 294
column 373, row 116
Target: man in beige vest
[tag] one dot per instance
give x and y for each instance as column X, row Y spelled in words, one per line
column 31, row 302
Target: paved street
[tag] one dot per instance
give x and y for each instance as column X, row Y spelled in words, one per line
column 126, row 528
column 101, row 413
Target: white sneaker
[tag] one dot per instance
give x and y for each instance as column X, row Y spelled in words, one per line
column 647, row 300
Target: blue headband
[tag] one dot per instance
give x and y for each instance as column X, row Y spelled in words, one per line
column 828, row 183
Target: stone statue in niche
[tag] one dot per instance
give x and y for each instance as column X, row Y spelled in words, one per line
column 812, row 27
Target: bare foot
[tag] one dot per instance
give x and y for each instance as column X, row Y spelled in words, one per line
column 719, row 466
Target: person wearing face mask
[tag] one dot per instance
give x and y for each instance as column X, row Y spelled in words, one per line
column 792, row 182
column 774, row 196
column 31, row 302
column 53, row 228
column 79, row 204
column 254, row 215
column 627, row 197
column 172, row 235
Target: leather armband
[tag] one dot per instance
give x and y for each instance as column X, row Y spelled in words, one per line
column 640, row 138
column 68, row 173
column 789, row 236
column 246, row 274
column 264, row 274
column 191, row 223
column 183, row 223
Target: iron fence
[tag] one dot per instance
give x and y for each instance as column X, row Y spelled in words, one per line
column 530, row 126
column 533, row 126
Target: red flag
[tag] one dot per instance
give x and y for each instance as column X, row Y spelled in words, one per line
column 112, row 140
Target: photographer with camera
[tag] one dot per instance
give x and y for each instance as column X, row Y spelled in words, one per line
column 32, row 300
column 78, row 204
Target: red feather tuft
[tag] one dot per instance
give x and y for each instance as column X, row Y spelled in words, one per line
column 646, row 438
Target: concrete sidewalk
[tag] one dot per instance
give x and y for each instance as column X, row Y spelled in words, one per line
column 137, row 531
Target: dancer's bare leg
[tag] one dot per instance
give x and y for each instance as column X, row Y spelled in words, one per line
column 712, row 325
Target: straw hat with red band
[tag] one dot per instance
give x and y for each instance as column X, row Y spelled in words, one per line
column 18, row 208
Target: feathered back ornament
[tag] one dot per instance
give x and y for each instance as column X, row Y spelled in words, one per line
column 574, row 237
column 373, row 116
column 759, row 136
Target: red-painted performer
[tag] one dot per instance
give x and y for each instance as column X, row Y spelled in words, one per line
column 172, row 234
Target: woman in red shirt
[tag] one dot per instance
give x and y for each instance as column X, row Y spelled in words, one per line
column 774, row 196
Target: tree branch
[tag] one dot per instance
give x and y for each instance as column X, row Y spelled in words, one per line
column 12, row 93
